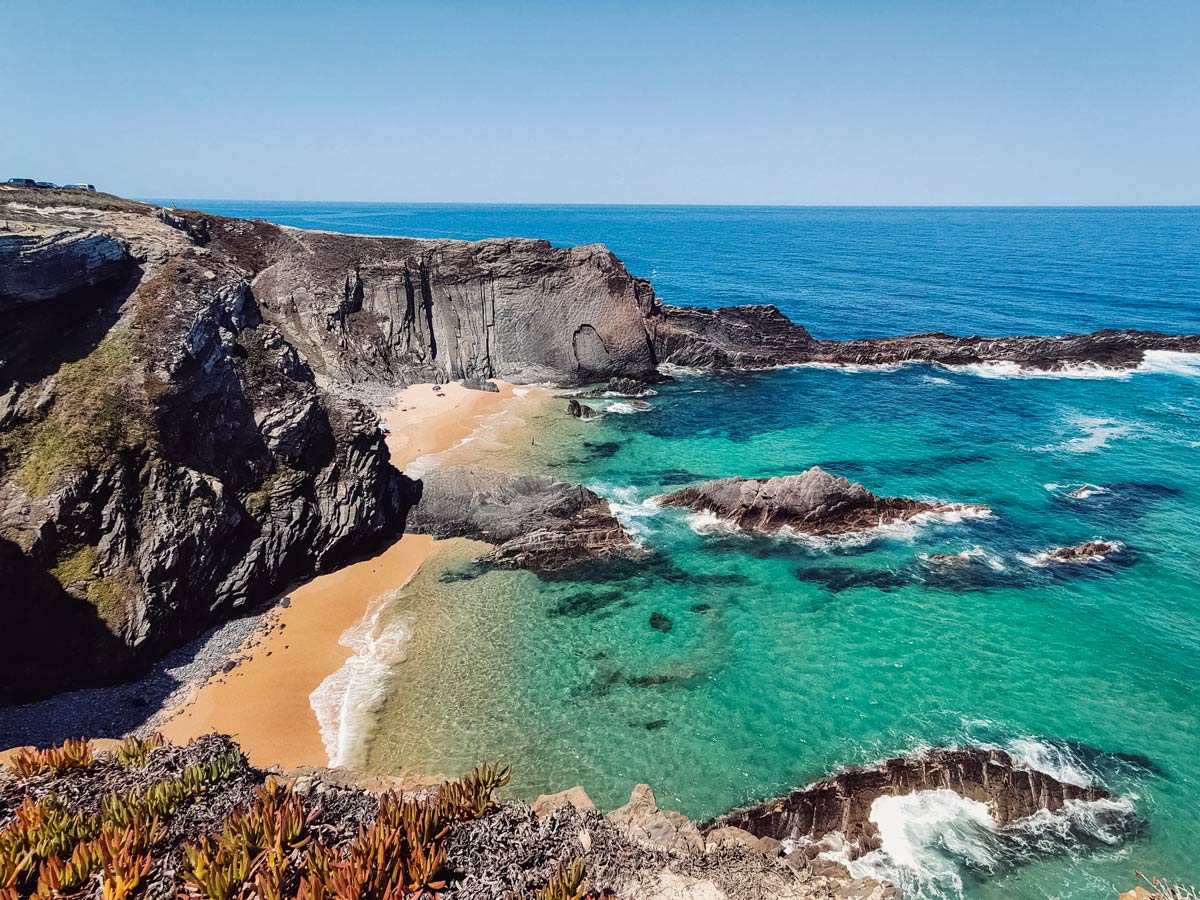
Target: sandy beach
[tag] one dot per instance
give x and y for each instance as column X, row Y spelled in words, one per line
column 263, row 701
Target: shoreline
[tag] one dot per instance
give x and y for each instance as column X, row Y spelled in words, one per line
column 263, row 696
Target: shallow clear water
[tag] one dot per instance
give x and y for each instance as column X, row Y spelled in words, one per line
column 786, row 660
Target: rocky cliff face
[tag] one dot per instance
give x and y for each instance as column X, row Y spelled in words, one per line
column 398, row 310
column 175, row 442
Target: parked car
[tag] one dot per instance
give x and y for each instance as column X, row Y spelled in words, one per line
column 23, row 182
column 79, row 187
column 45, row 184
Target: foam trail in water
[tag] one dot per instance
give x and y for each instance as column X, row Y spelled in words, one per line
column 347, row 701
column 1097, row 434
column 1171, row 362
column 628, row 509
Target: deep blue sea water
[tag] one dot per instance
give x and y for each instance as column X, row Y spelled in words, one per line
column 789, row 659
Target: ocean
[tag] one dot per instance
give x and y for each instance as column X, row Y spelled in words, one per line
column 788, row 659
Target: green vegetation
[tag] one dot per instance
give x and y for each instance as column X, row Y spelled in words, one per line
column 98, row 413
column 77, row 567
column 133, row 750
column 269, row 851
column 49, row 850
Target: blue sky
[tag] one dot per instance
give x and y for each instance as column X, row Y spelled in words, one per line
column 645, row 102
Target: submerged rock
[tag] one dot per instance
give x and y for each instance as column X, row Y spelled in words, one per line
column 659, row 622
column 813, row 503
column 534, row 521
column 843, row 802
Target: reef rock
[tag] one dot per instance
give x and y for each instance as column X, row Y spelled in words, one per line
column 534, row 521
column 843, row 802
column 656, row 829
column 1088, row 551
column 580, row 410
column 813, row 503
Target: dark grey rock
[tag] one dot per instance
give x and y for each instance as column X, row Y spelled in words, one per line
column 534, row 521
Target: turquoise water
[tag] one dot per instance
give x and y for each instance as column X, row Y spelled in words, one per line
column 786, row 660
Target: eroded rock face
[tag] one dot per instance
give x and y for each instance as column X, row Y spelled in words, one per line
column 534, row 521
column 758, row 337
column 41, row 261
column 813, row 503
column 843, row 802
column 401, row 310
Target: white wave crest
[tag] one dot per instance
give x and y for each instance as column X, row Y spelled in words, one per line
column 1171, row 362
column 1084, row 491
column 628, row 509
column 854, row 368
column 930, row 839
column 626, row 408
column 1007, row 369
column 347, row 701
column 1054, row 760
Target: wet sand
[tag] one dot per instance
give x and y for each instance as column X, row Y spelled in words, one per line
column 264, row 699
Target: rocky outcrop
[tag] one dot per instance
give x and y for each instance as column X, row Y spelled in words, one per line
column 813, row 503
column 1088, row 551
column 758, row 337
column 534, row 521
column 843, row 802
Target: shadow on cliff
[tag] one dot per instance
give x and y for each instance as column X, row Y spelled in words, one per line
column 49, row 633
column 39, row 337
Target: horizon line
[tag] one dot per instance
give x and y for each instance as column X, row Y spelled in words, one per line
column 1185, row 205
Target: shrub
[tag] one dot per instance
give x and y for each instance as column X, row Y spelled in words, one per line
column 133, row 750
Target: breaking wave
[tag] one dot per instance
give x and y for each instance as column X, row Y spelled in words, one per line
column 346, row 702
column 1097, row 434
column 932, row 843
column 628, row 509
column 708, row 522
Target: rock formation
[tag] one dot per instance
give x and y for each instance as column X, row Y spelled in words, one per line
column 843, row 802
column 813, row 503
column 534, row 521
column 175, row 438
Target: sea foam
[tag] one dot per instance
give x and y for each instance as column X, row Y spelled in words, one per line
column 346, row 702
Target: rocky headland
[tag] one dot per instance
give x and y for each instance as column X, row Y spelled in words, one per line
column 813, row 503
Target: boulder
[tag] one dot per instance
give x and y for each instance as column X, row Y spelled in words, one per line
column 577, row 797
column 580, row 410
column 656, row 829
column 812, row 503
column 478, row 383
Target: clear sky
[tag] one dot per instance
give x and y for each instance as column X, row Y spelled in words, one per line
column 836, row 102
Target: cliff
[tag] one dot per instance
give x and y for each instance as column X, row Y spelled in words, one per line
column 176, row 436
